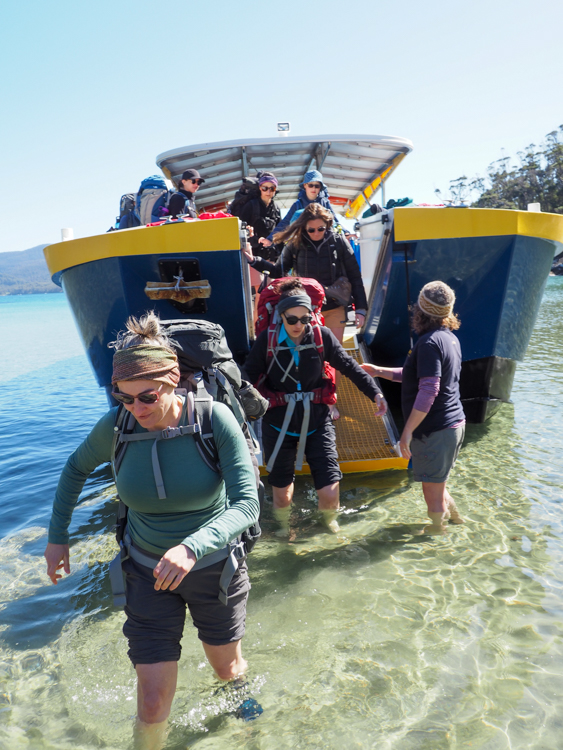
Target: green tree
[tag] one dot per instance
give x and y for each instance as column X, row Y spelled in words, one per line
column 538, row 178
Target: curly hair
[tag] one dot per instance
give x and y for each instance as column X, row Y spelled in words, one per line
column 422, row 323
column 296, row 231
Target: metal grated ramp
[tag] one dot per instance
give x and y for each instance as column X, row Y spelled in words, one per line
column 365, row 442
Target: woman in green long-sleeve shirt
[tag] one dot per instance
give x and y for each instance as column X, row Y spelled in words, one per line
column 201, row 512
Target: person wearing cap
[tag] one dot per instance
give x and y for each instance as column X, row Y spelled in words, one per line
column 182, row 202
column 312, row 190
column 182, row 517
column 434, row 417
column 299, row 424
column 262, row 213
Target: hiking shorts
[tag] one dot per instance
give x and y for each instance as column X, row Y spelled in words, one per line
column 320, row 452
column 434, row 455
column 155, row 619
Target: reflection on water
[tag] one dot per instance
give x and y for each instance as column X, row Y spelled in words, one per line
column 381, row 637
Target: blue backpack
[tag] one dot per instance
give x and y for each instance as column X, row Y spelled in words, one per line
column 152, row 196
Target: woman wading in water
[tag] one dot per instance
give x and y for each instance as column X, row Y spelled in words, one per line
column 434, row 417
column 200, row 513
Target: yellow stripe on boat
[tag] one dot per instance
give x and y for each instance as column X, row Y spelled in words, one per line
column 361, row 202
column 364, row 442
column 412, row 224
column 191, row 237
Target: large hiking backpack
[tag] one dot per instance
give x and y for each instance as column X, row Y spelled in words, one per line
column 268, row 318
column 127, row 217
column 152, row 198
column 248, row 190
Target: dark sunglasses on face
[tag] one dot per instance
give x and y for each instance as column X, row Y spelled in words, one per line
column 197, row 182
column 267, row 189
column 316, row 229
column 144, row 398
column 314, row 186
column 293, row 319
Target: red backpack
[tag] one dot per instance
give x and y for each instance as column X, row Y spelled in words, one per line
column 267, row 319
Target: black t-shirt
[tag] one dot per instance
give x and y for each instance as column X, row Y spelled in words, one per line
column 435, row 354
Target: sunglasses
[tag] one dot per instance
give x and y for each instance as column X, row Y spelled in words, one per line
column 197, row 182
column 267, row 189
column 314, row 186
column 144, row 398
column 316, row 229
column 293, row 319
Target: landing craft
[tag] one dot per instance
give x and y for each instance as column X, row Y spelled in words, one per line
column 496, row 261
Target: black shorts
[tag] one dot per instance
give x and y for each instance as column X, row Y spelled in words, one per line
column 320, row 452
column 155, row 619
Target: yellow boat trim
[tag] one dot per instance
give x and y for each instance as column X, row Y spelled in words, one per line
column 191, row 237
column 413, row 224
column 359, row 467
column 361, row 202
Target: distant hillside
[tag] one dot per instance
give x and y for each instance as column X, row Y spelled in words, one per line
column 25, row 272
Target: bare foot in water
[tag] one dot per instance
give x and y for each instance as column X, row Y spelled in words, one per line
column 334, row 413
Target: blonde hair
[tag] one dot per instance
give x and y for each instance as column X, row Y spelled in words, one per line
column 144, row 330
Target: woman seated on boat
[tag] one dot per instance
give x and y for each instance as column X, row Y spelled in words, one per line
column 182, row 202
column 169, row 534
column 292, row 374
column 314, row 250
column 434, row 417
column 263, row 214
column 312, row 190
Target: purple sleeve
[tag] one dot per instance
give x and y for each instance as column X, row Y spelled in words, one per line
column 397, row 374
column 428, row 389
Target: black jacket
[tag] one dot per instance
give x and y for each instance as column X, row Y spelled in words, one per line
column 324, row 261
column 182, row 202
column 309, row 374
column 262, row 218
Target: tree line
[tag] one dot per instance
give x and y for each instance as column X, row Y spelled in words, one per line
column 537, row 178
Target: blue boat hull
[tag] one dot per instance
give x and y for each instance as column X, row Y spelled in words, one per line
column 499, row 283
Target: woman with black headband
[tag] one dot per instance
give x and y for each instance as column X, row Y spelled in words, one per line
column 174, row 522
column 434, row 417
column 295, row 374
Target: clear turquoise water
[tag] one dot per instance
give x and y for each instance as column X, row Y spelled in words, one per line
column 383, row 637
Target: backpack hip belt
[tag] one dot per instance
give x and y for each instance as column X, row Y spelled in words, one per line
column 291, row 399
column 234, row 552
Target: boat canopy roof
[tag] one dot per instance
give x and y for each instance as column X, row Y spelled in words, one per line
column 353, row 166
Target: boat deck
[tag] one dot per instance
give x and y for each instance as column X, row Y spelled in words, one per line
column 365, row 442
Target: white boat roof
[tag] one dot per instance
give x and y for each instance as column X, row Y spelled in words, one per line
column 353, row 166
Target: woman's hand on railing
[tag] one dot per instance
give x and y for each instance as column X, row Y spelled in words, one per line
column 248, row 254
column 381, row 404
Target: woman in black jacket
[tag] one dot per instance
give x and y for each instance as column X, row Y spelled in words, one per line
column 183, row 201
column 263, row 214
column 315, row 251
column 292, row 375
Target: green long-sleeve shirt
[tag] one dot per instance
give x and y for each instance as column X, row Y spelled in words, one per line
column 196, row 511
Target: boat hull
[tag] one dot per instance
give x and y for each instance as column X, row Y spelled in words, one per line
column 498, row 281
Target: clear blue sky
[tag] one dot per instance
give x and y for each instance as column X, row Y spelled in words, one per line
column 91, row 92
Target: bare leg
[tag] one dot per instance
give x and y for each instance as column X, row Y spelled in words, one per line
column 282, row 508
column 329, row 502
column 226, row 660
column 156, row 685
column 452, row 507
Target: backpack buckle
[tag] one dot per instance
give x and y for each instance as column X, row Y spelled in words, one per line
column 170, row 432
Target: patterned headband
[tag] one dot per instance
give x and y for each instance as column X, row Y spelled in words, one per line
column 146, row 362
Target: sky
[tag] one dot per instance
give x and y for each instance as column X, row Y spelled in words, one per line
column 91, row 93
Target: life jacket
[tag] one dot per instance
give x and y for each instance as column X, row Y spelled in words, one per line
column 268, row 318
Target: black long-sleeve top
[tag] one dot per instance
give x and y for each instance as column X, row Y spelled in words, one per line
column 309, row 373
column 325, row 261
column 182, row 202
column 262, row 218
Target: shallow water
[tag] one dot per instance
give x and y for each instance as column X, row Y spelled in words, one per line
column 383, row 637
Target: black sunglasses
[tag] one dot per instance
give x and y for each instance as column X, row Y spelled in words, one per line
column 197, row 182
column 144, row 398
column 316, row 229
column 267, row 189
column 293, row 319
